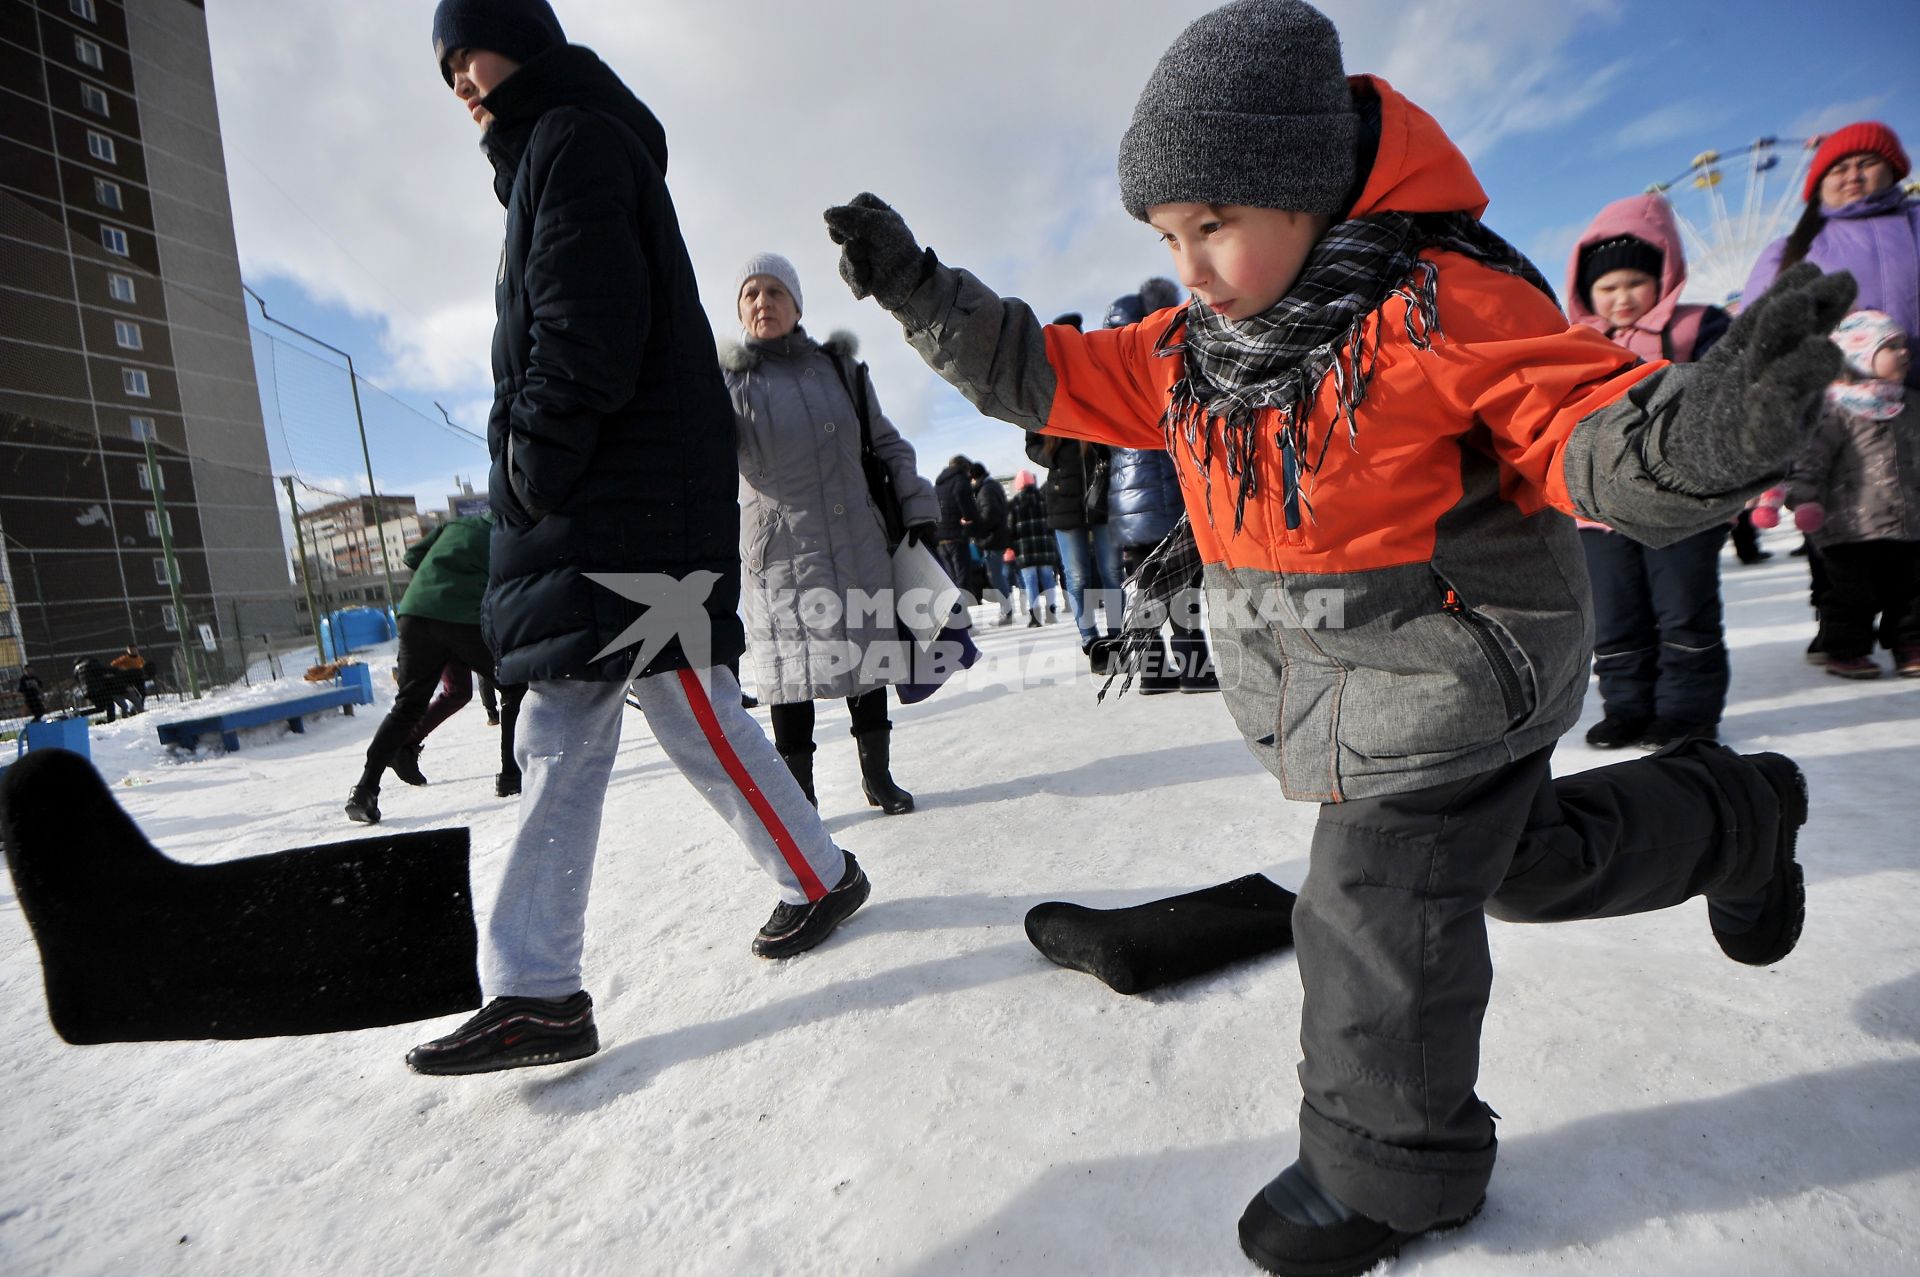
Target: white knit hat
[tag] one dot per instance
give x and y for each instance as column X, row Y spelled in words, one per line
column 770, row 264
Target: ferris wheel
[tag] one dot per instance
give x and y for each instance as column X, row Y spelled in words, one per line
column 1731, row 205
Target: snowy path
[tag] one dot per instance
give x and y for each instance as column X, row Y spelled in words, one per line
column 925, row 1095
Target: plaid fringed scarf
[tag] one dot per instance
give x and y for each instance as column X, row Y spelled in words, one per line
column 1279, row 359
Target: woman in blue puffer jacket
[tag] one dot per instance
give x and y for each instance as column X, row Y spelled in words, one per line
column 1143, row 504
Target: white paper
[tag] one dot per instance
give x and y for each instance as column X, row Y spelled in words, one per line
column 924, row 597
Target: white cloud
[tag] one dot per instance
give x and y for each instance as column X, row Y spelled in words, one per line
column 1826, row 118
column 992, row 126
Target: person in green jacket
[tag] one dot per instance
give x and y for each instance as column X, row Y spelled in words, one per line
column 439, row 625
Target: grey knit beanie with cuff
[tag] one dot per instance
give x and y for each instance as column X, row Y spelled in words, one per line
column 779, row 268
column 1248, row 106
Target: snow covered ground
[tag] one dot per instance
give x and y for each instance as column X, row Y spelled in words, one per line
column 926, row 1095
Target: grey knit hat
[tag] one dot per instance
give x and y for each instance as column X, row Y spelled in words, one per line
column 1248, row 106
column 770, row 264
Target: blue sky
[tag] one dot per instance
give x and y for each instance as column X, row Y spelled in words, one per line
column 370, row 221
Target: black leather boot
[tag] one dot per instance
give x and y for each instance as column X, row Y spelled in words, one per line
column 800, row 763
column 875, row 776
column 363, row 804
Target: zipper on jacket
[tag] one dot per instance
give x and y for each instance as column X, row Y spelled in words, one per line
column 1503, row 671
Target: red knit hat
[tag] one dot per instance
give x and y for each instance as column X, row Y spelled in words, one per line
column 1868, row 136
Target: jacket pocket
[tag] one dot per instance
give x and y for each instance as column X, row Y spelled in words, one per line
column 1493, row 648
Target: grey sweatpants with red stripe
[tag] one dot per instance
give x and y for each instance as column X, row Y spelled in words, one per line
column 569, row 731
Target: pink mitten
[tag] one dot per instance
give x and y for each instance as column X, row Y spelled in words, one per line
column 1810, row 516
column 1766, row 508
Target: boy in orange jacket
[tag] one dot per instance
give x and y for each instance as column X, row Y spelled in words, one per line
column 1381, row 422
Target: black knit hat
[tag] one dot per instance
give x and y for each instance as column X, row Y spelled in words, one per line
column 1623, row 252
column 1126, row 310
column 1249, row 105
column 517, row 29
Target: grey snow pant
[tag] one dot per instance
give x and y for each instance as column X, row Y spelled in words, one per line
column 1390, row 930
column 567, row 735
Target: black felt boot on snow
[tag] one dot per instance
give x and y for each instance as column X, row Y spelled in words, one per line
column 800, row 763
column 1760, row 930
column 1296, row 1228
column 1145, row 946
column 139, row 948
column 876, row 775
column 507, row 783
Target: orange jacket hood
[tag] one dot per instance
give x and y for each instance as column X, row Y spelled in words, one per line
column 1417, row 169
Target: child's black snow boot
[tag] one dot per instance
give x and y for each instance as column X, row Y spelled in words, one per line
column 796, row 928
column 513, row 1033
column 1298, row 1229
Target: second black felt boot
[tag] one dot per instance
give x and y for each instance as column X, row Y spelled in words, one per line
column 137, row 947
column 1145, row 946
column 876, row 774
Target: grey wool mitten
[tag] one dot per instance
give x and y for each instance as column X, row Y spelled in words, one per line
column 878, row 255
column 1746, row 407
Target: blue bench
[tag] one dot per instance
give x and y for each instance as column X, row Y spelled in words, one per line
column 355, row 687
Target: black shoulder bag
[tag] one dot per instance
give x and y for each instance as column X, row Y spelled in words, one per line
column 879, row 478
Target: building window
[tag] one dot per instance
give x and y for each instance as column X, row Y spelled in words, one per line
column 126, row 335
column 134, row 382
column 107, row 194
column 153, row 524
column 95, row 99
column 146, row 480
column 168, row 619
column 160, row 570
column 121, row 287
column 100, row 147
column 88, row 52
column 143, row 430
column 115, row 240
column 82, row 9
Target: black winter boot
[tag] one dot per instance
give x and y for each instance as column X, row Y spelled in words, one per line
column 1616, row 731
column 1145, row 946
column 363, row 804
column 1296, row 1228
column 1158, row 673
column 876, row 776
column 507, row 783
column 406, row 765
column 800, row 763
column 1196, row 663
column 140, row 948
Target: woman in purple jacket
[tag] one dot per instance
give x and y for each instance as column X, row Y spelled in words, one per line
column 1858, row 219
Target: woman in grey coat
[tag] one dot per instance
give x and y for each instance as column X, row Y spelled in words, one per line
column 813, row 542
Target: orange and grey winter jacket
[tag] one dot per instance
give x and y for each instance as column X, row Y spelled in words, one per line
column 1431, row 620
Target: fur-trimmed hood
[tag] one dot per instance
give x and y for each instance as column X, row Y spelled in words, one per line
column 745, row 356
